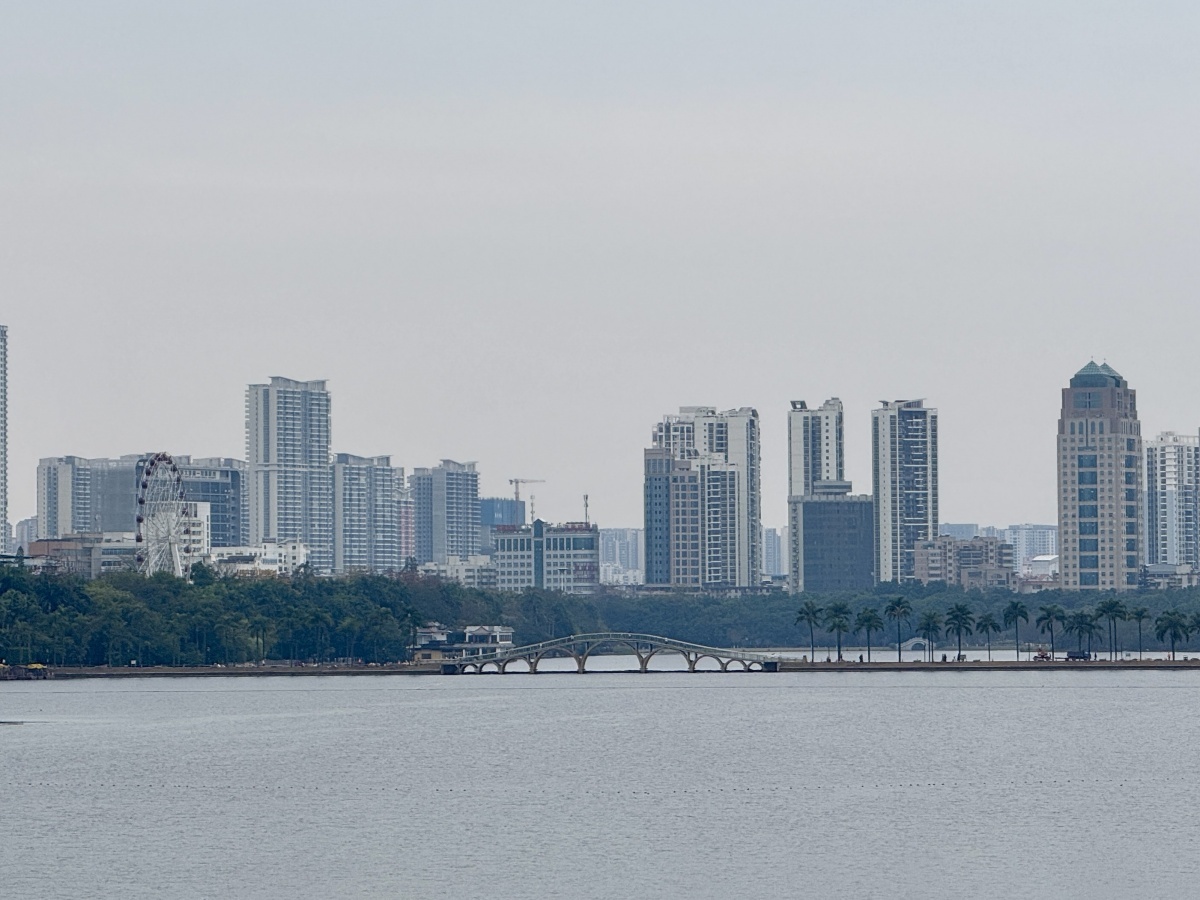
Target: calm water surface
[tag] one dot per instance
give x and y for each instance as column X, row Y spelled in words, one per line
column 1013, row 784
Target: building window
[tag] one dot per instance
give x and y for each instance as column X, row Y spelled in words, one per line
column 1087, row 494
column 1087, row 462
column 1089, row 562
column 1089, row 578
column 1087, row 477
column 1089, row 512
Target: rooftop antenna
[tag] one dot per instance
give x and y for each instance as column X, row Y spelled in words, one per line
column 532, row 509
column 586, row 520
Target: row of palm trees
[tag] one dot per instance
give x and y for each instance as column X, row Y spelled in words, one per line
column 960, row 621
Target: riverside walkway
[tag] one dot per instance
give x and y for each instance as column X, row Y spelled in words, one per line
column 580, row 647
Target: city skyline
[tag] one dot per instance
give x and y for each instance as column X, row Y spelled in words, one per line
column 494, row 484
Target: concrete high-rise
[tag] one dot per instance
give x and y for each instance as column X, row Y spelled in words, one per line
column 64, row 497
column 1099, row 482
column 446, row 511
column 5, row 528
column 831, row 535
column 905, row 467
column 703, row 522
column 816, row 449
column 288, row 459
column 366, row 514
column 1172, row 500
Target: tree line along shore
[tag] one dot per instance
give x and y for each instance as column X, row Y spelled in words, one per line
column 60, row 620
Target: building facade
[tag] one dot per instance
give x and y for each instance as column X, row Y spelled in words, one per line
column 1100, row 460
column 703, row 522
column 446, row 511
column 1030, row 541
column 975, row 563
column 905, row 467
column 366, row 514
column 288, row 461
column 773, row 556
column 64, row 497
column 832, row 537
column 1172, row 500
column 495, row 511
column 816, row 449
column 551, row 557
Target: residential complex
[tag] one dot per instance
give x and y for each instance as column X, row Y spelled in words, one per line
column 1099, row 482
column 905, row 463
column 702, row 499
column 288, row 458
column 816, row 450
column 366, row 514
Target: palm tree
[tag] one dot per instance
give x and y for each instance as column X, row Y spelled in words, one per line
column 1047, row 616
column 930, row 628
column 898, row 609
column 1172, row 625
column 986, row 625
column 837, row 620
column 1113, row 610
column 1139, row 614
column 959, row 621
column 1014, row 614
column 1082, row 623
column 868, row 620
column 812, row 615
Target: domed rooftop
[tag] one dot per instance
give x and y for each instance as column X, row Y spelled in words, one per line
column 1098, row 376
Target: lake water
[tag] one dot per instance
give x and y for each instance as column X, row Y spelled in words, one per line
column 970, row 784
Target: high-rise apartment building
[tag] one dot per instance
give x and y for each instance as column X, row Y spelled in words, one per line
column 219, row 481
column 288, row 460
column 1099, row 482
column 815, row 445
column 446, row 509
column 366, row 514
column 1173, row 500
column 905, row 467
column 64, row 497
column 703, row 499
column 5, row 528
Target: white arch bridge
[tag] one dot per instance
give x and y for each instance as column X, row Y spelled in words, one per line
column 581, row 647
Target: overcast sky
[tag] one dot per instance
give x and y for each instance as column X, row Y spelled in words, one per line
column 520, row 232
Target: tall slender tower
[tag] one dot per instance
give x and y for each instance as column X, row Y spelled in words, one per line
column 1099, row 483
column 1172, row 500
column 905, row 464
column 5, row 528
column 287, row 455
column 815, row 445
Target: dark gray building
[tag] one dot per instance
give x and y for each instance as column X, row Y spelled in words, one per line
column 832, row 536
column 221, row 483
column 657, row 497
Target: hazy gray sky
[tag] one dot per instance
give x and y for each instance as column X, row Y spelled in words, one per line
column 520, row 232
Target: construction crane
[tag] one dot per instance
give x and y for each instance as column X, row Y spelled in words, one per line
column 517, row 482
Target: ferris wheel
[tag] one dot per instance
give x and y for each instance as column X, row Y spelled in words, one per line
column 164, row 524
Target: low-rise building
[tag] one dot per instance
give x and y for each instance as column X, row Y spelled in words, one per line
column 86, row 555
column 554, row 557
column 434, row 642
column 268, row 558
column 470, row 571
